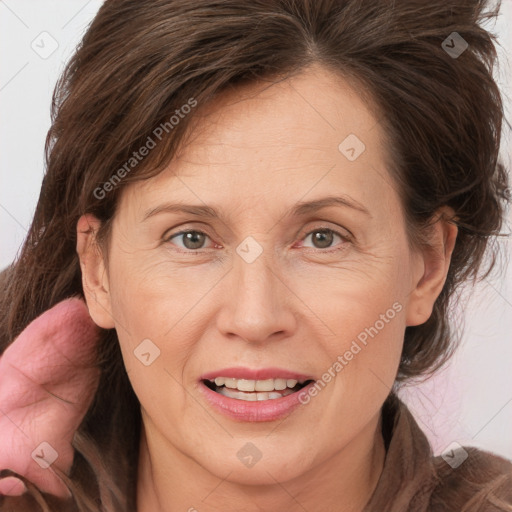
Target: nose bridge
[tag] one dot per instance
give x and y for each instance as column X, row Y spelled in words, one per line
column 253, row 272
column 256, row 288
column 256, row 309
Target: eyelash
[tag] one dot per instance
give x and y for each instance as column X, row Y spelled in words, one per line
column 344, row 237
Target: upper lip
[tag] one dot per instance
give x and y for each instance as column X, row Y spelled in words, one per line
column 256, row 374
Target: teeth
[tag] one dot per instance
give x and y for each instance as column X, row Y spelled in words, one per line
column 253, row 397
column 230, row 383
column 280, row 384
column 256, row 385
column 246, row 385
column 264, row 385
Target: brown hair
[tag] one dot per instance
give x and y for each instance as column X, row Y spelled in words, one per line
column 139, row 61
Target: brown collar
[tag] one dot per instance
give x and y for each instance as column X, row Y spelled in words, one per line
column 413, row 480
column 407, row 478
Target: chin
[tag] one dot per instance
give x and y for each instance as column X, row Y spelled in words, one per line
column 244, row 471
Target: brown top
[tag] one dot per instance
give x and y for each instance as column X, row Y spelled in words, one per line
column 465, row 480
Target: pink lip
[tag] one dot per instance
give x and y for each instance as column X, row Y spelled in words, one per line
column 261, row 374
column 241, row 410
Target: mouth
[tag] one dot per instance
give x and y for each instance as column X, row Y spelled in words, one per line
column 255, row 390
column 254, row 395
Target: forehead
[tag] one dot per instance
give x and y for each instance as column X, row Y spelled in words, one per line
column 316, row 109
column 277, row 140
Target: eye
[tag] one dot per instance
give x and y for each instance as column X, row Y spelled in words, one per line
column 191, row 239
column 323, row 238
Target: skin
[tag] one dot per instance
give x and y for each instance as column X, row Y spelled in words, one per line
column 59, row 383
column 255, row 153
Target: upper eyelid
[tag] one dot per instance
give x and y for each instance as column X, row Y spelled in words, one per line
column 303, row 231
column 338, row 230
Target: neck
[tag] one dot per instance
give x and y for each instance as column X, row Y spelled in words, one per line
column 169, row 481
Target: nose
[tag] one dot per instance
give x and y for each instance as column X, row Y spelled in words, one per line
column 258, row 305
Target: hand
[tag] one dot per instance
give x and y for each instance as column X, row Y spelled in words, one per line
column 48, row 380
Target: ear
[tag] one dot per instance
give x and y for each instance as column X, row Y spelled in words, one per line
column 431, row 268
column 94, row 272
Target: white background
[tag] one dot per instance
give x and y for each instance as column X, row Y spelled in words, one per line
column 470, row 402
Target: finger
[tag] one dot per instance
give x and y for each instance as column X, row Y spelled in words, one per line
column 12, row 486
column 64, row 334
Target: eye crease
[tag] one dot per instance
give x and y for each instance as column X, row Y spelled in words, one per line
column 196, row 238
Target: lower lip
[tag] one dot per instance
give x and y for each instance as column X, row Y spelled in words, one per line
column 243, row 410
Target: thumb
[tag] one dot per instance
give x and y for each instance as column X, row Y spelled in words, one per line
column 12, row 486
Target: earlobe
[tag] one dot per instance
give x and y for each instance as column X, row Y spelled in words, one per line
column 431, row 268
column 94, row 275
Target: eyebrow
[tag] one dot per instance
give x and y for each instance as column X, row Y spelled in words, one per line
column 300, row 209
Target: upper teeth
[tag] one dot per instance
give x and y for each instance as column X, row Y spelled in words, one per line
column 255, row 385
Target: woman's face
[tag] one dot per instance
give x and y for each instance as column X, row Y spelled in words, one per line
column 273, row 281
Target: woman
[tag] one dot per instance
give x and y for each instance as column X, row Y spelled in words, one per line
column 266, row 206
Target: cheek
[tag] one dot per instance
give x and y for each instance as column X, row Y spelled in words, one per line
column 369, row 335
column 364, row 310
column 146, row 293
column 147, row 313
column 156, row 308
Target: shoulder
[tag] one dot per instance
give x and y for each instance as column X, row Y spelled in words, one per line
column 472, row 480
